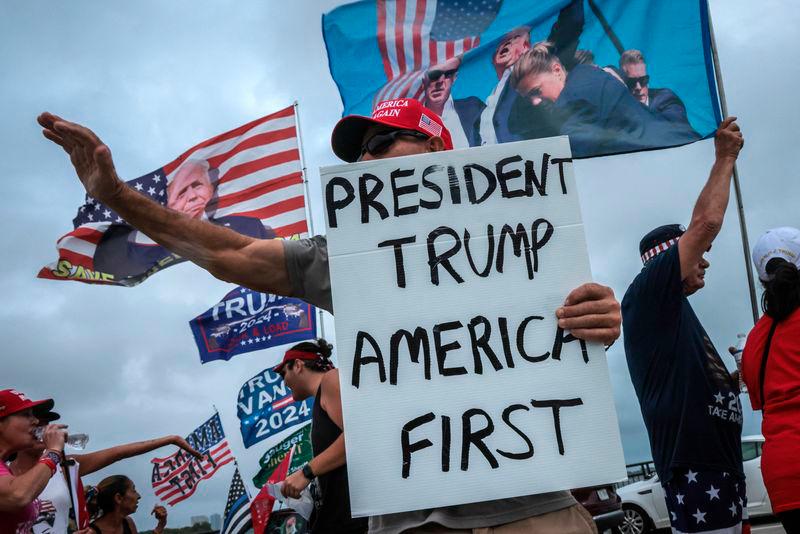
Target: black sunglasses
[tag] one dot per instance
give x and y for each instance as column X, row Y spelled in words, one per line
column 380, row 142
column 435, row 74
column 641, row 80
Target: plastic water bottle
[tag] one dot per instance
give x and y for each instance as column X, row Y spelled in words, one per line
column 737, row 355
column 77, row 441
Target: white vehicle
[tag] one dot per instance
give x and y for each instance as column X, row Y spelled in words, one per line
column 645, row 508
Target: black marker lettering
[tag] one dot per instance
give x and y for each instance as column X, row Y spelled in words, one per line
column 427, row 184
column 445, row 444
column 530, row 176
column 491, row 182
column 504, row 176
column 331, row 204
column 442, row 350
column 469, row 438
column 490, row 254
column 409, row 447
column 519, row 240
column 398, row 191
column 560, row 162
column 521, row 340
column 502, row 322
column 538, row 242
column 434, row 260
column 507, row 420
column 556, row 405
column 561, row 339
column 398, row 256
column 482, row 344
column 368, row 197
column 360, row 360
column 455, row 188
column 416, row 342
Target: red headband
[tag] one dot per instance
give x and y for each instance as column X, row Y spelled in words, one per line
column 292, row 355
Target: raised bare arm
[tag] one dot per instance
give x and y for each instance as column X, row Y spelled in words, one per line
column 709, row 210
column 94, row 461
column 257, row 264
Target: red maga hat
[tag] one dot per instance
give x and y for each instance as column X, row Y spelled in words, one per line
column 12, row 401
column 292, row 355
column 400, row 113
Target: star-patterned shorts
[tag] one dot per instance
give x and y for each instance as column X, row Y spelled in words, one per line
column 707, row 501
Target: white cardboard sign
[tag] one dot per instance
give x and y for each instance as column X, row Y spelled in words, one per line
column 457, row 385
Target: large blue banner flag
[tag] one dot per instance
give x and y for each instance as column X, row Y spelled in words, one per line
column 615, row 76
column 245, row 320
column 265, row 408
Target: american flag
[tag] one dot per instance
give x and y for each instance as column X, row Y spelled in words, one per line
column 415, row 34
column 254, row 170
column 176, row 477
column 237, row 509
column 433, row 128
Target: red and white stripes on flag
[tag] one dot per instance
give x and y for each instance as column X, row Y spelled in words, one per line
column 406, row 47
column 257, row 173
column 180, row 474
column 260, row 174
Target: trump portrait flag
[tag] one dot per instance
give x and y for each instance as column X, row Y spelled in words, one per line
column 248, row 179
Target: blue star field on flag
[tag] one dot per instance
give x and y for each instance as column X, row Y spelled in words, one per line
column 705, row 501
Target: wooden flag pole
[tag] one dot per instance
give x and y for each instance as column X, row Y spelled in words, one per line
column 737, row 190
column 309, row 215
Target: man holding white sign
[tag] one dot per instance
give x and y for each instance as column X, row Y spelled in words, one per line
column 400, row 128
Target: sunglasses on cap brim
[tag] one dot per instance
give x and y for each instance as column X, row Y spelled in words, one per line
column 379, row 143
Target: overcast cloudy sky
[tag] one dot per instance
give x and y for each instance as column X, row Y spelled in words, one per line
column 153, row 78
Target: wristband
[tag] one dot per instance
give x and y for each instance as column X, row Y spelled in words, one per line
column 56, row 454
column 308, row 472
column 49, row 463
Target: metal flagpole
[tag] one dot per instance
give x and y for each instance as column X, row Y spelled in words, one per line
column 309, row 215
column 737, row 190
column 606, row 27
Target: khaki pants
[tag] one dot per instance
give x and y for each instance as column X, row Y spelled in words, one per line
column 572, row 520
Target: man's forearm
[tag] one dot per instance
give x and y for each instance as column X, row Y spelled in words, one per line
column 331, row 458
column 193, row 239
column 709, row 210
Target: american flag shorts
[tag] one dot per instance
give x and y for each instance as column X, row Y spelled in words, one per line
column 707, row 501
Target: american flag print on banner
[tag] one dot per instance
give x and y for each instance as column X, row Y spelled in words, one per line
column 457, row 56
column 415, row 34
column 248, row 179
column 176, row 477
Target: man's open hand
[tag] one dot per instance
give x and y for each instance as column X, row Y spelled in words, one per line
column 90, row 157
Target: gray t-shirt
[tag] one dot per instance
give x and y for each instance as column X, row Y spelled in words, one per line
column 307, row 266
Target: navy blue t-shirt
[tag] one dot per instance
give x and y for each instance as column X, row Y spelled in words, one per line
column 689, row 402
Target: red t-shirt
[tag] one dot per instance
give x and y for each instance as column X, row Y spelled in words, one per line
column 781, row 423
column 19, row 521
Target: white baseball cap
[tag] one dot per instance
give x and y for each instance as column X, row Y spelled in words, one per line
column 783, row 242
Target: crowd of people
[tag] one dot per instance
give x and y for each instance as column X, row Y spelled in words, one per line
column 553, row 88
column 40, row 486
column 678, row 375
